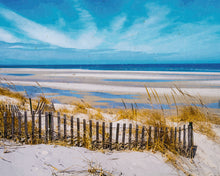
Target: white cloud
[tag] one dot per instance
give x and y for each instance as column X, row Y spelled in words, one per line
column 38, row 32
column 6, row 36
column 16, row 46
column 126, row 46
column 146, row 35
column 118, row 23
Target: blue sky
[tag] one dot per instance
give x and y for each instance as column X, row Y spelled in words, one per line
column 109, row 31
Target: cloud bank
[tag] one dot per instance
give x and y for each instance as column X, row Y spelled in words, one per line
column 155, row 31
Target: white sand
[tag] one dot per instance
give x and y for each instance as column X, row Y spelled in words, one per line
column 48, row 159
column 42, row 160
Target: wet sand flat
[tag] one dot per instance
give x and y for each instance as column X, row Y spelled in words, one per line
column 89, row 82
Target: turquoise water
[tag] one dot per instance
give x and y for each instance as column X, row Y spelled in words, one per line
column 35, row 91
column 132, row 67
column 113, row 96
column 17, row 74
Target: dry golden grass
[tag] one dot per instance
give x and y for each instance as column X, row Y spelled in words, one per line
column 81, row 107
column 202, row 120
column 96, row 116
column 9, row 93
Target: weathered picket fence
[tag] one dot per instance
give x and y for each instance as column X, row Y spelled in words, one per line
column 50, row 128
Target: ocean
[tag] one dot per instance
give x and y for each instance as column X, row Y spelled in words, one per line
column 130, row 67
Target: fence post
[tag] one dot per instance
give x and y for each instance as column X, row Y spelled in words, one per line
column 179, row 135
column 25, row 126
column 19, row 126
column 58, row 124
column 5, row 124
column 136, row 136
column 129, row 137
column 149, row 137
column 64, row 127
column 166, row 135
column 190, row 138
column 51, row 126
column 171, row 135
column 103, row 135
column 155, row 135
column 97, row 133
column 110, row 136
column 117, row 135
column 30, row 105
column 78, row 131
column 71, row 129
column 12, row 125
column 175, row 134
column 46, row 127
column 184, row 136
column 142, row 137
column 161, row 135
column 123, row 136
column 33, row 126
column 90, row 132
column 39, row 123
column 84, row 132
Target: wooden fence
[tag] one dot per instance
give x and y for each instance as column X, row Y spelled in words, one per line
column 50, row 128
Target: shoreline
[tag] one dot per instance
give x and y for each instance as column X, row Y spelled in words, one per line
column 83, row 82
column 110, row 71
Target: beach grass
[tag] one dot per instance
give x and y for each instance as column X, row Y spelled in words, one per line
column 202, row 119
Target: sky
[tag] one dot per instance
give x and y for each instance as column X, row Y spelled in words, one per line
column 109, row 31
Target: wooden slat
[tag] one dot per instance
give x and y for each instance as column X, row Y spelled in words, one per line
column 58, row 124
column 84, row 132
column 103, row 135
column 110, row 136
column 184, row 136
column 51, row 126
column 64, row 127
column 166, row 135
column 179, row 135
column 33, row 127
column 30, row 106
column 117, row 134
column 90, row 130
column 155, row 134
column 97, row 132
column 12, row 125
column 149, row 136
column 71, row 129
column 175, row 135
column 161, row 134
column 19, row 126
column 123, row 135
column 136, row 136
column 46, row 127
column 129, row 136
column 25, row 126
column 5, row 125
column 142, row 137
column 78, row 131
column 39, row 124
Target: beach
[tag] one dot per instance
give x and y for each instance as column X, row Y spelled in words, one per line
column 102, row 87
